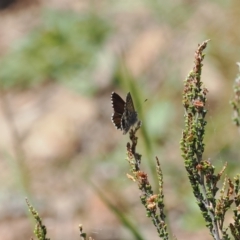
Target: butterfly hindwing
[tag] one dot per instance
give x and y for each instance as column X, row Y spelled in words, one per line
column 116, row 119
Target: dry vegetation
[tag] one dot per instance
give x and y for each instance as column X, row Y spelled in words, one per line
column 57, row 139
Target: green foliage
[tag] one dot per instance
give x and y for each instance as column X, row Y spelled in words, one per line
column 63, row 49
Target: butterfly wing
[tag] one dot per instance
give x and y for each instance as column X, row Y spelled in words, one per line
column 129, row 106
column 129, row 117
column 118, row 108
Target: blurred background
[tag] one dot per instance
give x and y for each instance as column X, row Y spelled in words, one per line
column 59, row 62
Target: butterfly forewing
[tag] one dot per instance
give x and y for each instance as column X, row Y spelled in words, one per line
column 129, row 103
column 117, row 103
column 118, row 109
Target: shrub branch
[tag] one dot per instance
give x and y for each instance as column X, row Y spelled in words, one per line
column 153, row 203
column 201, row 172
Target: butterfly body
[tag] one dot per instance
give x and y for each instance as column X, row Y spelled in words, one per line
column 124, row 115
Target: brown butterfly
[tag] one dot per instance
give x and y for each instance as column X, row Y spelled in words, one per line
column 124, row 115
